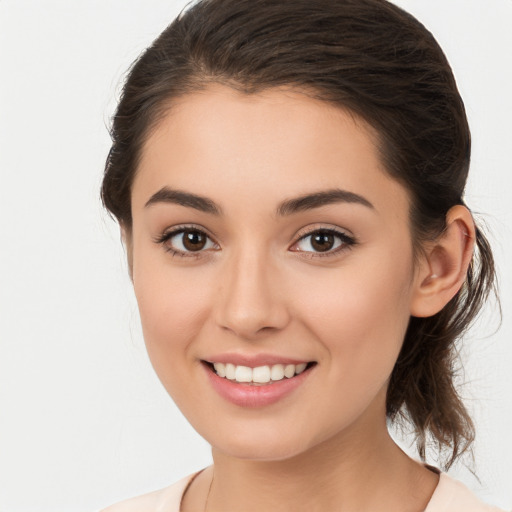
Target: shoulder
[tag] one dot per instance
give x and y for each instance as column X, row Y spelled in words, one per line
column 167, row 499
column 451, row 495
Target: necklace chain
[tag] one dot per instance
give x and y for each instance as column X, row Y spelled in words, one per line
column 208, row 495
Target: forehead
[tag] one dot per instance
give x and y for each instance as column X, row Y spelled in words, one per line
column 254, row 150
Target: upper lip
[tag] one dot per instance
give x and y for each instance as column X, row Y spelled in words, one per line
column 254, row 360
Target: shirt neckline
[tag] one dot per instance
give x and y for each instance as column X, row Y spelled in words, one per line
column 443, row 477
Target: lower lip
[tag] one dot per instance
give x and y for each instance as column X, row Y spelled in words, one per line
column 246, row 395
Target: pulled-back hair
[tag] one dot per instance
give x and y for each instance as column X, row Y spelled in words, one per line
column 375, row 60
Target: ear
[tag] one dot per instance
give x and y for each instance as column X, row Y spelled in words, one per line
column 444, row 265
column 126, row 238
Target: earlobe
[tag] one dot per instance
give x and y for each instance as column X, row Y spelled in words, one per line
column 444, row 266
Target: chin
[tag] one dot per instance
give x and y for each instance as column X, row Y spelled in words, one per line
column 267, row 452
column 259, row 445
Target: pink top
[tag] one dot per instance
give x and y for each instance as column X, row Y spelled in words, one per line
column 449, row 496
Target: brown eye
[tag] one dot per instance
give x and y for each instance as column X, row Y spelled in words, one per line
column 194, row 240
column 322, row 241
column 186, row 242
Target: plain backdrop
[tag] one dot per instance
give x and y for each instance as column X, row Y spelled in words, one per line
column 84, row 421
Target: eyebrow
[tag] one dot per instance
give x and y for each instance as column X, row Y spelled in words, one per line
column 286, row 208
column 169, row 195
column 320, row 198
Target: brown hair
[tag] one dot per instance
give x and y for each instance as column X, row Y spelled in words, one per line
column 377, row 61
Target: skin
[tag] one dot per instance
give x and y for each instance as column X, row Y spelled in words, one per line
column 259, row 286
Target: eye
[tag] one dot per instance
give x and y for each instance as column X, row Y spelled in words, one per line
column 185, row 241
column 323, row 242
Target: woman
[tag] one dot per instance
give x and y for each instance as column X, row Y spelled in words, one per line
column 288, row 177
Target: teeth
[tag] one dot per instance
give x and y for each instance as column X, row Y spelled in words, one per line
column 230, row 371
column 220, row 368
column 260, row 374
column 300, row 368
column 277, row 372
column 243, row 374
column 289, row 371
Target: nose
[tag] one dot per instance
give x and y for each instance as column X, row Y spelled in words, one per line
column 251, row 298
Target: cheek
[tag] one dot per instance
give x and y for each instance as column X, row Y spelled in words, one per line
column 361, row 316
column 172, row 307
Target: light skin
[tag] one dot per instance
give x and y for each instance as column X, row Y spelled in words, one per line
column 259, row 285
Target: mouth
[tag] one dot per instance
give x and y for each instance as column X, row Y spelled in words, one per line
column 258, row 386
column 258, row 376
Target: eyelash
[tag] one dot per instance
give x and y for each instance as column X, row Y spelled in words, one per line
column 347, row 242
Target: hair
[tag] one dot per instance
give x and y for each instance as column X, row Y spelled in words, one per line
column 378, row 62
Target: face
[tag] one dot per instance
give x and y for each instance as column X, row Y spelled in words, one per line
column 297, row 253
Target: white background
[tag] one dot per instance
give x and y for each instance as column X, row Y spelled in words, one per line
column 84, row 421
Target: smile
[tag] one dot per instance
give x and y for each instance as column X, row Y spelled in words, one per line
column 260, row 386
column 260, row 374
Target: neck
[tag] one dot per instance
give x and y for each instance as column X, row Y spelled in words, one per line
column 336, row 474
